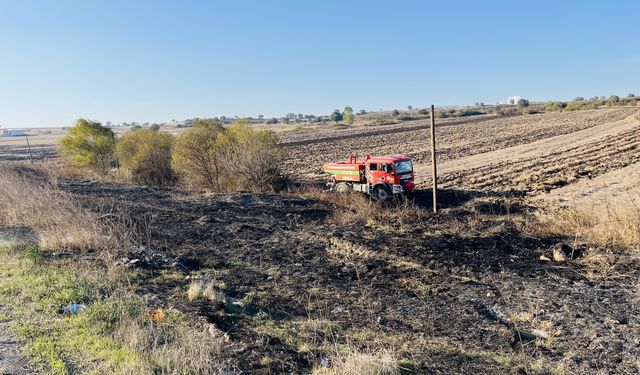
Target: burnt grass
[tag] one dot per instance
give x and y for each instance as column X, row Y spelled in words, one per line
column 463, row 291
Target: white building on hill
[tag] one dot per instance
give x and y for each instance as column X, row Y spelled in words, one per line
column 513, row 99
column 11, row 132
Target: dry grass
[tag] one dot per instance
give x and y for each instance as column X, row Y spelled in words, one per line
column 611, row 229
column 359, row 363
column 117, row 332
column 356, row 208
column 616, row 226
column 57, row 220
column 203, row 289
column 175, row 347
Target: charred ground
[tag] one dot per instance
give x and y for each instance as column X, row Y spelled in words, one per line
column 457, row 292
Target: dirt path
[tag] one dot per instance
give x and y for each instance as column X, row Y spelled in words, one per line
column 601, row 192
column 11, row 361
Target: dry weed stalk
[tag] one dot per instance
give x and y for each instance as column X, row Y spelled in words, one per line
column 355, row 362
column 203, row 289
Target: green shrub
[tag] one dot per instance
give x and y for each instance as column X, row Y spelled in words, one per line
column 215, row 158
column 405, row 117
column 554, row 106
column 336, row 116
column 33, row 253
column 89, row 144
column 505, row 111
column 196, row 155
column 575, row 106
column 146, row 155
column 347, row 115
column 468, row 112
column 523, row 103
column 251, row 158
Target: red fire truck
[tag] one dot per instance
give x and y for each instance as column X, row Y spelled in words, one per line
column 379, row 176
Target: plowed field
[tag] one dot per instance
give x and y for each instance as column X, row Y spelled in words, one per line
column 526, row 153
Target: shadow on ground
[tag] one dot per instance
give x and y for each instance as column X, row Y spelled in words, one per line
column 486, row 202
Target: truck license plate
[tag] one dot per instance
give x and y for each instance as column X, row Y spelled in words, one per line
column 397, row 189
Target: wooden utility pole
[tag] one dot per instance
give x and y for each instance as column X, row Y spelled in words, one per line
column 434, row 169
column 29, row 146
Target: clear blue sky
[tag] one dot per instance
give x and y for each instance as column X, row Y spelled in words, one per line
column 158, row 60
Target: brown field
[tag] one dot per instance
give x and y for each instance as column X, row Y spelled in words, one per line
column 468, row 148
column 295, row 277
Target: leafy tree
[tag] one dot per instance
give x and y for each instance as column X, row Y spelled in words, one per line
column 523, row 103
column 212, row 157
column 89, row 144
column 155, row 127
column 395, row 112
column 336, row 116
column 409, row 107
column 136, row 127
column 614, row 99
column 578, row 99
column 252, row 157
column 348, row 115
column 631, row 95
column 197, row 156
column 146, row 155
column 261, row 117
column 362, row 112
column 272, row 121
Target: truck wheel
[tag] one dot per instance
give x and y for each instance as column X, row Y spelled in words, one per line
column 381, row 193
column 342, row 187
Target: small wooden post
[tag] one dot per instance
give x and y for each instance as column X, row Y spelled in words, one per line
column 434, row 170
column 115, row 140
column 29, row 147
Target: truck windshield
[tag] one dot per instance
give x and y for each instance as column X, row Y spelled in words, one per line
column 404, row 167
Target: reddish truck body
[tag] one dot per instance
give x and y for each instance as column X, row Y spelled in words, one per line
column 378, row 176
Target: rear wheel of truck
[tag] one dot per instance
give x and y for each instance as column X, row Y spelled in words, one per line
column 381, row 193
column 342, row 187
